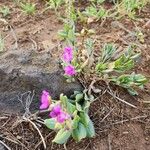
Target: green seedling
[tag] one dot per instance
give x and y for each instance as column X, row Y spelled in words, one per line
column 129, row 7
column 54, row 4
column 97, row 14
column 107, row 67
column 28, row 8
column 5, row 11
column 68, row 33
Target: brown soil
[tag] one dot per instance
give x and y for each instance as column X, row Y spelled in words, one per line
column 118, row 126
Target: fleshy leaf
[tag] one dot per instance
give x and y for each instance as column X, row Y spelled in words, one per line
column 84, row 118
column 79, row 97
column 62, row 136
column 90, row 129
column 79, row 133
column 50, row 123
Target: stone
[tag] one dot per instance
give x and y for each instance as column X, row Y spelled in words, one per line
column 17, row 88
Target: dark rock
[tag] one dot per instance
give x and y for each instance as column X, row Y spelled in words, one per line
column 17, row 88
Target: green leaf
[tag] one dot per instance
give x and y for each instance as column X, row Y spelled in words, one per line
column 70, row 108
column 123, row 63
column 90, row 129
column 108, row 52
column 79, row 107
column 62, row 136
column 75, row 122
column 79, row 133
column 79, row 97
column 64, row 100
column 84, row 118
column 50, row 123
column 132, row 91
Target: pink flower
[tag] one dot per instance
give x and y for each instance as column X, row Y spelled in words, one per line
column 45, row 100
column 62, row 117
column 59, row 114
column 70, row 70
column 68, row 54
column 55, row 111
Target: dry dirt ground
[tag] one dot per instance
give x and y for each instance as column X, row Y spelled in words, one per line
column 30, row 41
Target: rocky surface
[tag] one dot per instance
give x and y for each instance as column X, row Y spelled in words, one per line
column 24, row 74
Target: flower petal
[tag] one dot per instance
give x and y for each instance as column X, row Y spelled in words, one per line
column 70, row 70
column 45, row 100
column 57, row 109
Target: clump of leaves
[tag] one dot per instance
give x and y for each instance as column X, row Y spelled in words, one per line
column 107, row 67
column 5, row 11
column 129, row 7
column 54, row 4
column 28, row 8
column 78, row 125
column 68, row 33
column 93, row 13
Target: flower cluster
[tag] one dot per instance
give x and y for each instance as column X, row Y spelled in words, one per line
column 59, row 114
column 67, row 58
column 57, row 111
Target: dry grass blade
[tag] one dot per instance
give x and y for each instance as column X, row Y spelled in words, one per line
column 42, row 138
column 132, row 119
column 109, row 91
column 8, row 148
column 41, row 141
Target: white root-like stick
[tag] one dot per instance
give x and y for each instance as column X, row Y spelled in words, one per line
column 1, row 118
column 116, row 97
column 8, row 148
column 107, row 114
column 109, row 143
column 42, row 138
column 127, row 120
column 123, row 101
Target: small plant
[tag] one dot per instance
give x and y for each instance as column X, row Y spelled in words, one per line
column 129, row 7
column 69, row 116
column 69, row 64
column 54, row 4
column 106, row 67
column 68, row 33
column 1, row 44
column 28, row 8
column 5, row 11
column 97, row 14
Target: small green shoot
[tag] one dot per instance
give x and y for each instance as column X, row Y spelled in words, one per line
column 107, row 67
column 54, row 4
column 95, row 13
column 5, row 11
column 28, row 8
column 68, row 33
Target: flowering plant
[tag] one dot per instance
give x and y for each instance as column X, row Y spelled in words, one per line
column 68, row 116
column 67, row 59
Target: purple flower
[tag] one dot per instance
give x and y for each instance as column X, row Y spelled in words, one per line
column 70, row 70
column 59, row 114
column 68, row 54
column 45, row 100
column 62, row 117
column 55, row 111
